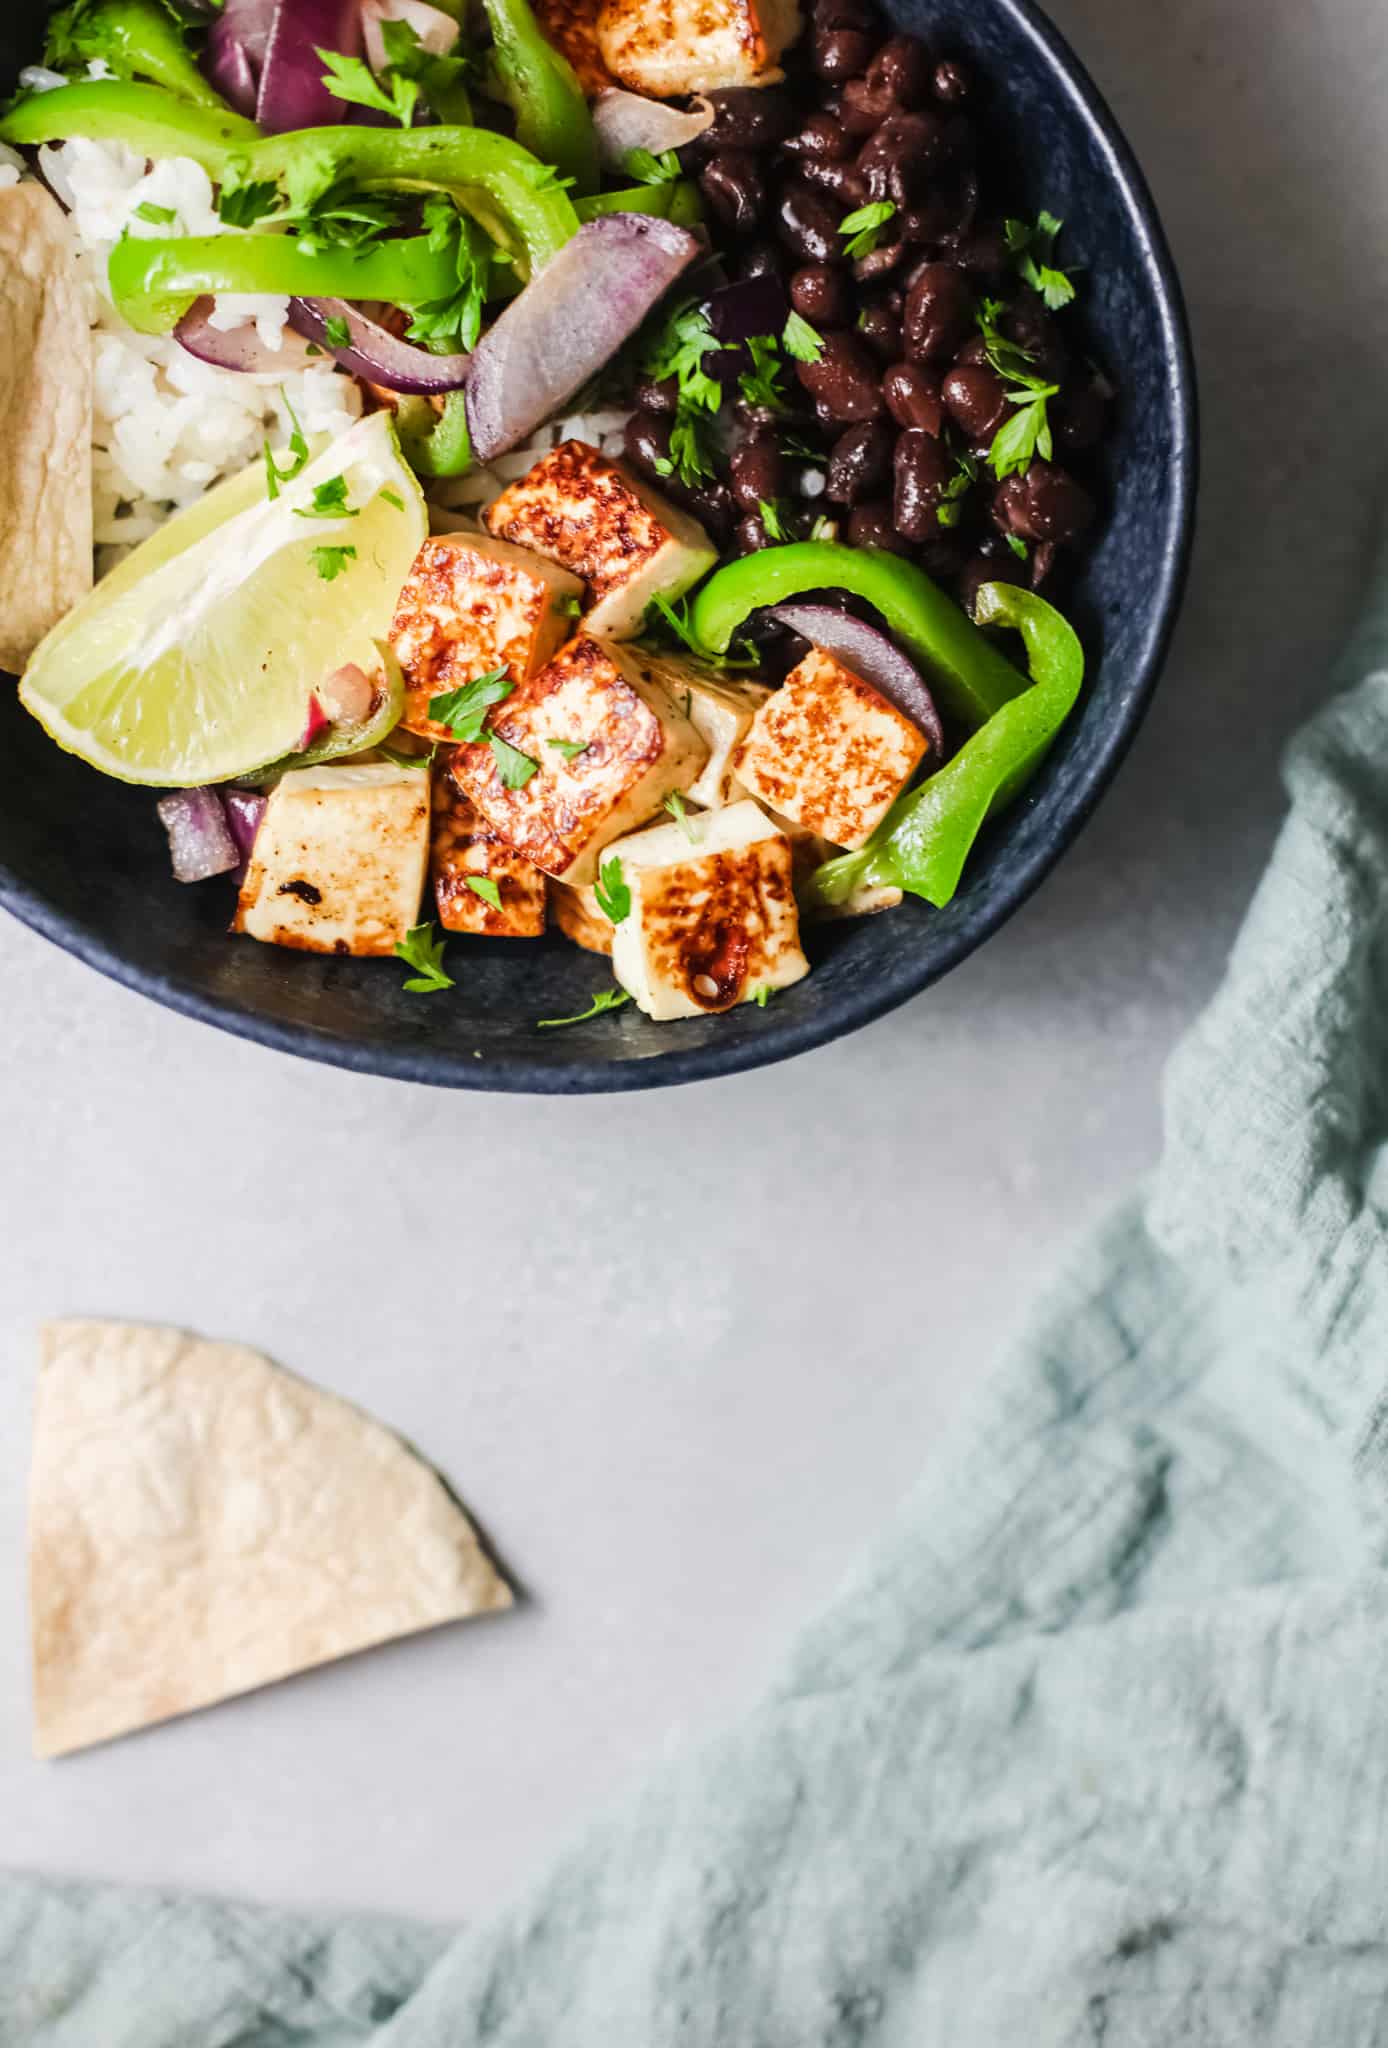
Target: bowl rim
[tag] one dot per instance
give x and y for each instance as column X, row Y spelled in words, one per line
column 784, row 1034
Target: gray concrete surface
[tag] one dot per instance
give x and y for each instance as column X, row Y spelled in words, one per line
column 707, row 1338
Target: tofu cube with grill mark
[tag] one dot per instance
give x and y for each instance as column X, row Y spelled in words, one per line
column 713, row 917
column 664, row 47
column 637, row 747
column 598, row 520
column 464, row 846
column 829, row 751
column 470, row 605
column 575, row 911
column 570, row 26
column 339, row 862
column 723, row 713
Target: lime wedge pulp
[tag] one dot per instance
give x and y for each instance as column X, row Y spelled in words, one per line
column 195, row 659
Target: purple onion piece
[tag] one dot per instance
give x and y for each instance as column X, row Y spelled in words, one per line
column 373, row 352
column 872, row 657
column 244, row 810
column 235, row 51
column 568, row 322
column 292, row 93
column 200, row 841
column 236, row 348
column 625, row 121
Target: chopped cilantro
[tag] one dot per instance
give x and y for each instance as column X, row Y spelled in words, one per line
column 613, row 895
column 802, row 341
column 351, row 79
column 1018, row 546
column 514, row 767
column 298, row 449
column 676, row 617
column 465, row 709
column 1033, row 249
column 438, row 77
column 678, row 350
column 951, row 510
column 674, row 804
column 454, row 322
column 570, row 749
column 604, row 999
column 157, row 216
column 338, row 333
column 329, row 501
column 486, row 888
column 759, row 385
column 421, row 950
column 1028, row 432
column 648, row 169
column 864, row 227
column 241, row 206
column 771, row 519
column 330, row 562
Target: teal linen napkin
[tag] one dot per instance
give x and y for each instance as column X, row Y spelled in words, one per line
column 1094, row 1748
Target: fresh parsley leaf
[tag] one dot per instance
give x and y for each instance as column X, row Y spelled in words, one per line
column 771, row 519
column 800, row 340
column 1018, row 547
column 1026, row 435
column 329, row 501
column 605, row 999
column 455, row 321
column 421, row 950
column 951, row 510
column 678, row 350
column 549, row 180
column 438, row 77
column 350, row 79
column 330, row 562
column 570, row 749
column 465, row 709
column 676, row 617
column 569, row 606
column 674, row 804
column 648, row 169
column 338, row 333
column 241, row 206
column 298, row 449
column 486, row 888
column 514, row 767
column 1033, row 249
column 759, row 385
column 762, row 996
column 340, row 216
column 157, row 216
column 864, row 227
column 613, row 895
column 394, row 498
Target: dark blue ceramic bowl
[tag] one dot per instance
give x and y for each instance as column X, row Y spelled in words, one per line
column 84, row 862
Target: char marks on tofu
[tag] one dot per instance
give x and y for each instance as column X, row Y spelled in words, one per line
column 339, row 860
column 465, row 850
column 663, row 47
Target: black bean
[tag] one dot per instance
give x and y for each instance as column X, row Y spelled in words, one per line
column 881, row 330
column 976, row 400
column 903, row 70
column 981, row 569
column 943, row 556
column 945, row 212
column 922, row 468
column 820, row 295
column 906, row 152
column 843, row 182
column 646, row 439
column 842, row 53
column 1027, row 322
column 749, row 117
column 757, row 470
column 845, row 380
column 860, row 463
column 732, row 184
column 864, row 107
column 662, row 397
column 824, row 138
column 711, row 504
column 808, row 223
column 939, row 313
column 983, row 252
column 953, row 82
column 1079, row 416
column 871, row 526
column 1046, row 503
column 761, row 259
column 913, row 397
column 879, row 264
column 751, row 534
column 828, row 15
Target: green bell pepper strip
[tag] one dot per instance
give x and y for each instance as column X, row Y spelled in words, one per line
column 676, row 200
column 540, row 88
column 971, row 675
column 153, row 121
column 925, row 839
column 155, row 279
column 138, row 39
column 435, row 444
column 345, row 737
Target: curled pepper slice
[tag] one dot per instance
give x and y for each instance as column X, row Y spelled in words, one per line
column 971, row 674
column 138, row 39
column 154, row 122
column 435, row 444
column 539, row 86
column 155, row 279
column 924, row 840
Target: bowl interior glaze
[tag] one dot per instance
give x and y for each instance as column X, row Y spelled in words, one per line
column 84, row 861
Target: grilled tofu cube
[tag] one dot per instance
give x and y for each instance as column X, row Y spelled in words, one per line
column 712, row 918
column 829, row 751
column 570, row 26
column 464, row 845
column 339, row 862
column 637, row 746
column 597, row 519
column 663, row 47
column 722, row 713
column 472, row 604
column 578, row 917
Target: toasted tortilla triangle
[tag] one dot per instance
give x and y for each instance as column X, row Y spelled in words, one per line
column 201, row 1523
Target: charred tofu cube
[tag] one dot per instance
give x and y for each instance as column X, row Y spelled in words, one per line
column 829, row 751
column 712, row 918
column 570, row 26
column 598, row 520
column 339, row 862
column 470, row 605
column 578, row 917
column 664, row 47
column 591, row 747
column 466, row 849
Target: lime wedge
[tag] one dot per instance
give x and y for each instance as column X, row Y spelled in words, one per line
column 194, row 661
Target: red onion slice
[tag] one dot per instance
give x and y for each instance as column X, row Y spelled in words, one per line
column 200, row 841
column 568, row 322
column 244, row 810
column 373, row 352
column 872, row 657
column 292, row 93
column 625, row 121
column 235, row 53
column 237, row 348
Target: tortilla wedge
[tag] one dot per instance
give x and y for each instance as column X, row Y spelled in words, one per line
column 46, row 406
column 202, row 1522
